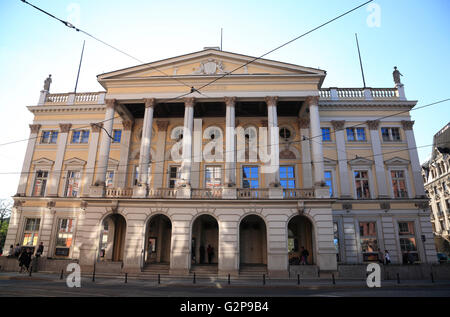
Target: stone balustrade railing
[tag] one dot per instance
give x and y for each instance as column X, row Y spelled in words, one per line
column 358, row 93
column 72, row 98
column 212, row 193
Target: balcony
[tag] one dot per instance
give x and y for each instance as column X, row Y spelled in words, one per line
column 213, row 193
column 359, row 94
column 83, row 98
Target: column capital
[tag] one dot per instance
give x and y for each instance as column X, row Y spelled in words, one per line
column 96, row 127
column 149, row 102
column 312, row 100
column 230, row 101
column 35, row 128
column 162, row 125
column 303, row 123
column 271, row 100
column 127, row 125
column 373, row 124
column 189, row 102
column 338, row 124
column 65, row 127
column 110, row 103
column 407, row 125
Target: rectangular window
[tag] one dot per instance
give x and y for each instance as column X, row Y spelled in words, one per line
column 72, row 184
column 49, row 137
column 250, row 177
column 213, row 176
column 362, row 185
column 399, row 184
column 390, row 134
column 64, row 237
column 408, row 245
column 326, row 136
column 80, row 136
column 40, row 183
column 31, row 232
column 109, row 179
column 174, row 176
column 356, row 134
column 329, row 181
column 287, row 177
column 117, row 135
column 368, row 239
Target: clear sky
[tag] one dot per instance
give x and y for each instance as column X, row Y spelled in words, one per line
column 410, row 34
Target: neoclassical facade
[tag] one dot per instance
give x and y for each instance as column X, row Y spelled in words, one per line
column 436, row 175
column 166, row 169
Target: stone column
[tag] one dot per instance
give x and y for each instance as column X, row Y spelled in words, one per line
column 92, row 155
column 380, row 171
column 229, row 188
column 338, row 127
column 160, row 153
column 60, row 151
column 99, row 185
column 306, row 153
column 144, row 154
column 184, row 190
column 21, row 190
column 124, row 152
column 316, row 144
column 414, row 157
column 275, row 189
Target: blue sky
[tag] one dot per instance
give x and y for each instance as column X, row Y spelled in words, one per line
column 412, row 34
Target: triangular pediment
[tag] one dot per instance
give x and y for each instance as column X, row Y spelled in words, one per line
column 43, row 161
column 396, row 161
column 113, row 163
column 329, row 162
column 75, row 161
column 209, row 62
column 360, row 161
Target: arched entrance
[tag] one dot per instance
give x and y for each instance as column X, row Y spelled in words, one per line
column 158, row 240
column 205, row 236
column 252, row 241
column 112, row 238
column 300, row 238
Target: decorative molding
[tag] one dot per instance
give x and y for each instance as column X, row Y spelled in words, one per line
column 83, row 205
column 347, row 206
column 422, row 205
column 385, row 206
column 360, row 161
column 51, row 204
column 373, row 124
column 96, row 127
column 127, row 125
column 35, row 128
column 189, row 102
column 271, row 100
column 264, row 123
column 210, row 67
column 407, row 125
column 43, row 162
column 312, row 100
column 149, row 102
column 230, row 101
column 338, row 124
column 18, row 203
column 397, row 161
column 65, row 127
column 303, row 123
column 75, row 161
column 110, row 103
column 162, row 125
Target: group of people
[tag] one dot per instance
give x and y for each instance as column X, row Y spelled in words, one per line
column 25, row 255
column 209, row 252
column 384, row 258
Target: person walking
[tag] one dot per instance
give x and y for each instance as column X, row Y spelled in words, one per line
column 210, row 251
column 17, row 250
column 387, row 257
column 25, row 259
column 11, row 251
column 304, row 256
column 380, row 256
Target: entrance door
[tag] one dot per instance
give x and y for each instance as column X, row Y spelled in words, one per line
column 253, row 244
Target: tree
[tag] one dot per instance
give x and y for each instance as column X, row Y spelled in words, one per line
column 5, row 213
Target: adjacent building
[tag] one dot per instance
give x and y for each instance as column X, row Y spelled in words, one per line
column 216, row 157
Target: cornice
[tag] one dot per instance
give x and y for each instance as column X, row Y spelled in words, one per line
column 64, row 108
column 352, row 104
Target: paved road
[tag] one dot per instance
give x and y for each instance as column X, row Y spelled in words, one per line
column 13, row 284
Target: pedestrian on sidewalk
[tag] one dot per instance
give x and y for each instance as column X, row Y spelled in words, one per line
column 304, row 256
column 387, row 257
column 25, row 259
column 17, row 251
column 11, row 251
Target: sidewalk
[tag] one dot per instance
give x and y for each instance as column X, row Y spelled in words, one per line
column 320, row 283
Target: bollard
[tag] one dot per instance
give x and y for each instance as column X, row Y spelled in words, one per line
column 93, row 275
column 126, row 277
column 398, row 278
column 159, row 279
column 264, row 279
column 194, row 277
column 432, row 277
column 334, row 281
column 62, row 274
column 298, row 279
column 31, row 269
column 228, row 278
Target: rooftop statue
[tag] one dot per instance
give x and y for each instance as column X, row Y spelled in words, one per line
column 47, row 83
column 396, row 75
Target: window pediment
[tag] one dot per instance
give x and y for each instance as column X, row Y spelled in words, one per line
column 360, row 161
column 75, row 162
column 43, row 162
column 397, row 161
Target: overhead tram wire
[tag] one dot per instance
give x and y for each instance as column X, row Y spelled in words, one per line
column 234, row 168
column 70, row 25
